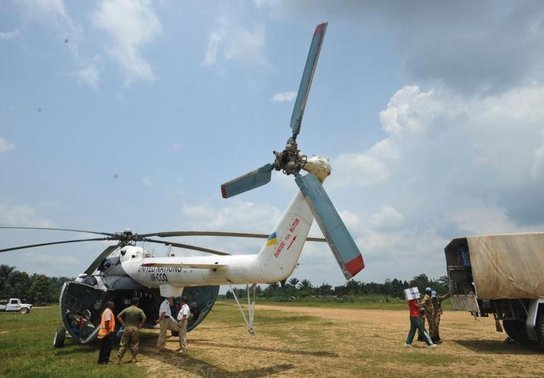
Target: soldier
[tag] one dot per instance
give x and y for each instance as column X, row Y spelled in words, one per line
column 437, row 314
column 428, row 309
column 132, row 318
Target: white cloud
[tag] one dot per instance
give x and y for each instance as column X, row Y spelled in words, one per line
column 358, row 169
column 131, row 25
column 236, row 43
column 284, row 96
column 9, row 35
column 22, row 216
column 449, row 166
column 148, row 182
column 481, row 220
column 5, row 146
column 387, row 218
column 245, row 216
column 89, row 75
column 53, row 12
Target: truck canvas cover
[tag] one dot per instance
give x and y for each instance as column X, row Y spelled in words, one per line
column 503, row 266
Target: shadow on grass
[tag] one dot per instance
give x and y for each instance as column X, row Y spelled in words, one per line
column 500, row 347
column 187, row 363
column 262, row 349
column 268, row 321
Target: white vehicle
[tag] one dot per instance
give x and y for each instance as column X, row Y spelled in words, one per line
column 15, row 304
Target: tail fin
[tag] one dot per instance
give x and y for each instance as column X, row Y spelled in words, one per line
column 280, row 253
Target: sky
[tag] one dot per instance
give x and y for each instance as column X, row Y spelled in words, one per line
column 120, row 114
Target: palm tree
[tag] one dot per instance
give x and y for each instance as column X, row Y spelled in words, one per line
column 305, row 285
column 293, row 282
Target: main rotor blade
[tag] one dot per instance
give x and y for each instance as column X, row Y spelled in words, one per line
column 96, row 263
column 251, row 180
column 342, row 244
column 307, row 76
column 169, row 234
column 50, row 243
column 189, row 246
column 57, row 229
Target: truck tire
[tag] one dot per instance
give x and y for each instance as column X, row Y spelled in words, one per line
column 517, row 331
column 24, row 310
column 60, row 336
column 539, row 328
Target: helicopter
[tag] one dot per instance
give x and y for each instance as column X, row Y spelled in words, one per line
column 125, row 269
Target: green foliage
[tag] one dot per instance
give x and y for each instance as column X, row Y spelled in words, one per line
column 40, row 292
column 295, row 289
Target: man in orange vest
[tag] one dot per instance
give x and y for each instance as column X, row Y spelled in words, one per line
column 106, row 333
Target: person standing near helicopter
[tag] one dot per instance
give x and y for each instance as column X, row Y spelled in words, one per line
column 166, row 322
column 183, row 318
column 132, row 319
column 105, row 334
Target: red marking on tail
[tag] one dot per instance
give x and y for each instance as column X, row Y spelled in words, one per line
column 355, row 265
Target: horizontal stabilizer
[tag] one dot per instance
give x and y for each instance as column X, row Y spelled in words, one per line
column 342, row 244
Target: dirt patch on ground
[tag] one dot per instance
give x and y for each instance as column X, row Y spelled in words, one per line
column 307, row 341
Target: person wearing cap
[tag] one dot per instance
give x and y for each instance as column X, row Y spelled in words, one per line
column 437, row 314
column 166, row 322
column 428, row 309
column 417, row 323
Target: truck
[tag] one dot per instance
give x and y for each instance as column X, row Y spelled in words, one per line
column 15, row 304
column 503, row 276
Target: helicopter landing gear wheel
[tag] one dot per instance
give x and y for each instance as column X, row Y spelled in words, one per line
column 60, row 337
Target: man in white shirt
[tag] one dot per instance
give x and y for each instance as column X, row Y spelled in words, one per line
column 183, row 318
column 165, row 321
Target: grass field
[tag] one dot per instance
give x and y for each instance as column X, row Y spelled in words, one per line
column 335, row 341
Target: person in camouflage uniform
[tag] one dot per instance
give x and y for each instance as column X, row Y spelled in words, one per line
column 428, row 310
column 132, row 318
column 437, row 314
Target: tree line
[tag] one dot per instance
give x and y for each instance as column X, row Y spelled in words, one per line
column 37, row 289
column 394, row 288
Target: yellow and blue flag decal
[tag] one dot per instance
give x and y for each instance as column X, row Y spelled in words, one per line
column 272, row 239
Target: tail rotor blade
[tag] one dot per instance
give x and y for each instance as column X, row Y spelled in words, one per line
column 342, row 244
column 251, row 180
column 307, row 76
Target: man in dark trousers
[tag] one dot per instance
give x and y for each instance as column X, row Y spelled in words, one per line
column 416, row 323
column 132, row 318
column 106, row 333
